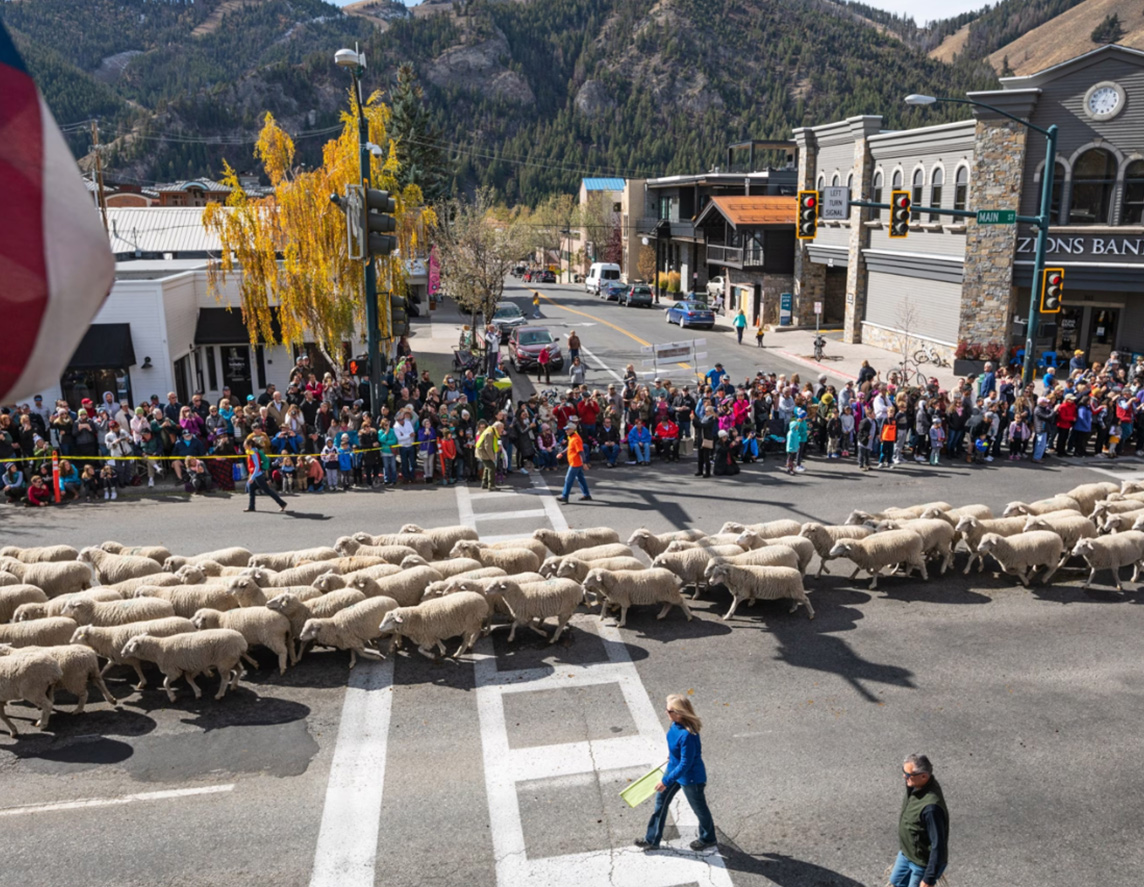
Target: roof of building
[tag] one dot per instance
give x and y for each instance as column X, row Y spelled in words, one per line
column 153, row 229
column 755, row 209
column 604, row 184
column 184, row 185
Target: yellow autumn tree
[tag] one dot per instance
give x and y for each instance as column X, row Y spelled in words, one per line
column 288, row 251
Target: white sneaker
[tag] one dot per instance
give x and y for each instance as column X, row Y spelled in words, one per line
column 800, row 468
column 150, row 481
column 988, row 458
column 107, row 494
column 115, row 494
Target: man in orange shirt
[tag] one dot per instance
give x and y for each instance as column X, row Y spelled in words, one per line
column 576, row 466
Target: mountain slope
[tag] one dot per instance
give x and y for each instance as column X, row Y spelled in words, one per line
column 1068, row 35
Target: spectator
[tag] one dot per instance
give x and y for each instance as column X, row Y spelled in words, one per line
column 12, row 483
column 639, row 444
column 38, row 493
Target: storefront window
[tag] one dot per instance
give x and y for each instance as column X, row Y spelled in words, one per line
column 78, row 384
column 1094, row 177
column 1133, row 213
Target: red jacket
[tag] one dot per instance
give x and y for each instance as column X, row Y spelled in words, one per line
column 588, row 411
column 39, row 495
column 1066, row 414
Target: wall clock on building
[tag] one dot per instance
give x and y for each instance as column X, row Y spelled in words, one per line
column 1104, row 100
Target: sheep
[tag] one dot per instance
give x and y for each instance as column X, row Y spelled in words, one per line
column 1042, row 506
column 511, row 560
column 14, row 596
column 156, row 552
column 823, row 537
column 482, row 573
column 953, row 515
column 571, row 567
column 655, row 543
column 111, row 568
column 89, row 612
column 761, row 583
column 407, row 587
column 352, row 564
column 972, row 530
column 483, row 585
column 243, row 591
column 224, row 557
column 448, row 567
column 54, row 577
column 128, row 587
column 625, row 589
column 601, row 553
column 49, row 632
column 724, row 550
column 858, row 517
column 1087, row 495
column 30, row 678
column 1070, row 526
column 1111, row 553
column 937, row 537
column 568, row 541
column 690, row 566
column 393, row 554
column 284, row 560
column 880, row 550
column 1128, row 487
column 363, row 543
column 108, row 641
column 259, row 625
column 771, row 556
column 186, row 655
column 79, row 666
column 1022, row 554
column 298, row 611
column 766, row 530
column 539, row 600
column 1126, row 520
column 187, row 599
column 8, row 579
column 55, row 607
column 200, row 571
column 40, row 555
column 352, row 628
column 429, row 623
column 443, row 538
column 800, row 545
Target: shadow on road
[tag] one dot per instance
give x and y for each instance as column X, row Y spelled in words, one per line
column 784, row 871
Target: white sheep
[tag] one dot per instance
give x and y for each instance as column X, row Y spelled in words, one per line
column 108, row 641
column 761, row 583
column 298, row 611
column 54, row 577
column 766, row 530
column 13, row 596
column 79, row 666
column 40, row 555
column 1070, row 526
column 1111, row 553
column 200, row 571
column 259, row 625
column 111, row 568
column 1106, row 507
column 483, row 585
column 89, row 612
column 1021, row 555
column 284, row 560
column 881, row 550
column 31, row 679
column 407, row 587
column 7, row 578
column 1087, row 495
column 627, row 589
column 725, row 549
column 770, row 556
column 186, row 600
column 393, row 554
column 972, row 530
column 872, row 517
column 800, row 545
column 937, row 537
column 655, row 543
column 128, row 587
column 511, row 560
column 245, row 592
column 1042, row 506
column 534, row 545
column 352, row 628
column 352, row 563
column 824, row 536
column 448, row 567
column 1125, row 520
column 232, row 556
column 49, row 632
column 431, row 622
column 568, row 541
column 55, row 607
column 689, row 565
column 953, row 515
column 572, row 567
column 186, row 655
column 303, row 574
column 364, row 543
column 443, row 538
column 156, row 552
column 531, row 601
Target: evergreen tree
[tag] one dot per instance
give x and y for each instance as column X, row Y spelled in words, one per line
column 423, row 161
column 1108, row 31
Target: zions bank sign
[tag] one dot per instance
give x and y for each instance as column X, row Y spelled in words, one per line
column 1086, row 246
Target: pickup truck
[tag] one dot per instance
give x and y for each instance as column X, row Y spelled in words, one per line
column 715, row 287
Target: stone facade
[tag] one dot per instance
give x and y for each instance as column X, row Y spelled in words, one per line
column 995, row 183
column 773, row 286
column 856, row 274
column 892, row 341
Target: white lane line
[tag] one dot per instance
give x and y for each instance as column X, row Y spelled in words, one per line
column 601, row 365
column 504, row 537
column 347, row 842
column 551, row 509
column 465, row 507
column 511, row 515
column 86, row 803
column 1115, row 475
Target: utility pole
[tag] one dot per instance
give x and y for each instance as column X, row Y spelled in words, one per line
column 99, row 174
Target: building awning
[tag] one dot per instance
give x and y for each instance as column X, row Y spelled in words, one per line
column 223, row 326
column 754, row 210
column 104, row 346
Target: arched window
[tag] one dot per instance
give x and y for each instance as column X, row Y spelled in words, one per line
column 961, row 187
column 937, row 177
column 821, row 182
column 876, row 194
column 896, row 182
column 849, row 182
column 834, row 182
column 1094, row 178
column 1133, row 213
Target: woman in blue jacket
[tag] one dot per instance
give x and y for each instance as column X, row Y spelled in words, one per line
column 684, row 770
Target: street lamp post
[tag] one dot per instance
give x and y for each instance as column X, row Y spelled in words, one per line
column 1042, row 220
column 354, row 62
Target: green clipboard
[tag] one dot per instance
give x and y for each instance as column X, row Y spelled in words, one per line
column 644, row 787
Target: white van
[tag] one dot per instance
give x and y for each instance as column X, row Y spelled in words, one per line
column 600, row 272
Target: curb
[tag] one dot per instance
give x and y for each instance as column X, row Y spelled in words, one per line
column 830, row 371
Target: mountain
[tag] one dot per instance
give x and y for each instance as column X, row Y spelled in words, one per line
column 529, row 95
column 1068, row 35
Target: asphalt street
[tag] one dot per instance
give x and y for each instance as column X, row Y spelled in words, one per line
column 503, row 768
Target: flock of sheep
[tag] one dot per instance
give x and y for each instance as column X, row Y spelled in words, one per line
column 62, row 611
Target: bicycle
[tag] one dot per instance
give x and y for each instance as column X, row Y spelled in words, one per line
column 930, row 355
column 911, row 377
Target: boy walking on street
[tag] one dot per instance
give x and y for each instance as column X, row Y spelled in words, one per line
column 576, row 466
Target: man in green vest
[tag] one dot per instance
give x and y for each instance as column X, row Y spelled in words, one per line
column 923, row 828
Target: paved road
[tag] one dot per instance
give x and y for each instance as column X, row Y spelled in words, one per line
column 503, row 769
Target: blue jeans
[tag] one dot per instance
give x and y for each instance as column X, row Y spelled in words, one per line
column 611, row 452
column 908, row 874
column 259, row 484
column 389, row 467
column 1040, row 443
column 575, row 473
column 408, row 462
column 641, row 452
column 698, row 801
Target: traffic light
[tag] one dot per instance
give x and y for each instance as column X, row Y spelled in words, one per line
column 358, row 366
column 807, row 215
column 379, row 221
column 398, row 316
column 899, row 213
column 1052, row 289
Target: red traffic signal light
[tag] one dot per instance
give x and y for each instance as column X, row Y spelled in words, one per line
column 806, row 226
column 900, row 213
column 1052, row 290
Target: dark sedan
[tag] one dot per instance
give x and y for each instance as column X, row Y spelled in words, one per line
column 525, row 345
column 640, row 294
column 611, row 290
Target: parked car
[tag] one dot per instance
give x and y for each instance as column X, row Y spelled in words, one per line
column 715, row 286
column 640, row 294
column 546, row 277
column 690, row 314
column 507, row 316
column 610, row 290
column 599, row 274
column 525, row 344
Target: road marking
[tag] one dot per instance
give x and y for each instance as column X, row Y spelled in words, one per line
column 594, row 318
column 601, row 365
column 347, row 841
column 1116, row 475
column 512, row 515
column 86, row 803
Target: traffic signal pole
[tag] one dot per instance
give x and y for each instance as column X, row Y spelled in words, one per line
column 1043, row 221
